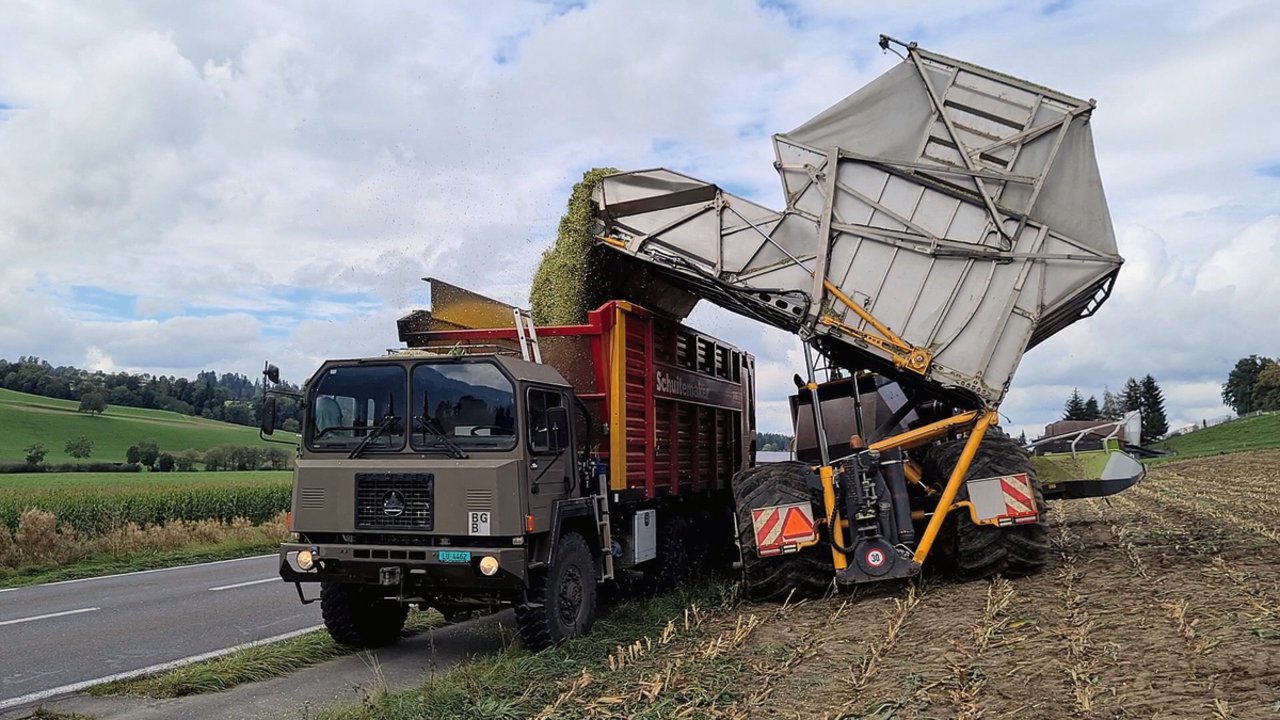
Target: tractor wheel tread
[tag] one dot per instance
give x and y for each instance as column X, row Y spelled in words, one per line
column 981, row 551
column 808, row 573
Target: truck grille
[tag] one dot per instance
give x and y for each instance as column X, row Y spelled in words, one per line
column 394, row 500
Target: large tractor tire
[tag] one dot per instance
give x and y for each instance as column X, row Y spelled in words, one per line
column 560, row 602
column 808, row 573
column 359, row 617
column 972, row 551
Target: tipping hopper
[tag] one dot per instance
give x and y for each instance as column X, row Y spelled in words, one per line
column 938, row 223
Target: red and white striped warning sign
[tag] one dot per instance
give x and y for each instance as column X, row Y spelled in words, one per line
column 1019, row 498
column 782, row 528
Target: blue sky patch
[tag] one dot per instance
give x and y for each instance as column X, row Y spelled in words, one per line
column 564, row 7
column 795, row 19
column 92, row 302
column 305, row 295
column 1271, row 169
column 752, row 130
column 666, row 145
column 1056, row 7
column 508, row 48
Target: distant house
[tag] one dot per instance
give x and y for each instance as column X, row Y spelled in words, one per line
column 1090, row 441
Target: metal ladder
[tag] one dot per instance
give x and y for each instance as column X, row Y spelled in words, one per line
column 602, row 519
column 527, row 334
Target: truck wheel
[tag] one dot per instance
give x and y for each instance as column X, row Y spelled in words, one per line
column 808, row 573
column 980, row 551
column 673, row 554
column 359, row 618
column 560, row 602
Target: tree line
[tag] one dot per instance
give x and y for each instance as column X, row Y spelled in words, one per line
column 148, row 454
column 1253, row 385
column 773, row 442
column 1143, row 395
column 229, row 397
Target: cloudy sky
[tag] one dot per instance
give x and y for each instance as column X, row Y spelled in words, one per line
column 190, row 186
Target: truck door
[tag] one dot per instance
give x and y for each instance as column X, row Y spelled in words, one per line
column 550, row 470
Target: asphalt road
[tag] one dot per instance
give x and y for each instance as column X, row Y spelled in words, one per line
column 59, row 637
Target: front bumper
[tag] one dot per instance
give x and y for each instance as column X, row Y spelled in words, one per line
column 416, row 568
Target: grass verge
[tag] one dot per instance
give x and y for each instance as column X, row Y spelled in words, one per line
column 1261, row 432
column 249, row 665
column 519, row 684
column 43, row 714
column 98, row 566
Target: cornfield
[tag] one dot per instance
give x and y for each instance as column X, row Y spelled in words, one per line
column 99, row 510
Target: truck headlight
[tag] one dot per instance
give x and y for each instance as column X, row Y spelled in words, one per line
column 489, row 565
column 306, row 559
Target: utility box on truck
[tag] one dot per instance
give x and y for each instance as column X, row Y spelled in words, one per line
column 493, row 463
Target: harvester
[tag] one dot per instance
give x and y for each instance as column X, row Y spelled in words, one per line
column 939, row 222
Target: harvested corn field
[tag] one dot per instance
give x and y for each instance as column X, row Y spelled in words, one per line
column 1163, row 602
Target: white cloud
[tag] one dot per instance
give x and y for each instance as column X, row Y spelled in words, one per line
column 272, row 180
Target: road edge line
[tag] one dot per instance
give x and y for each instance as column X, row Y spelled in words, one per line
column 161, row 667
column 246, row 583
column 138, row 572
column 47, row 616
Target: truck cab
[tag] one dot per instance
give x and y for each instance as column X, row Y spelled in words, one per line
column 433, row 480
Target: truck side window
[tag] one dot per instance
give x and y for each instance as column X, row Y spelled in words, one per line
column 539, row 402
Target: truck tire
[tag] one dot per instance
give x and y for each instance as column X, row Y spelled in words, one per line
column 359, row 618
column 560, row 602
column 673, row 561
column 972, row 551
column 808, row 573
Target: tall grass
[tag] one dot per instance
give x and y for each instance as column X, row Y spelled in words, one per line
column 41, row 539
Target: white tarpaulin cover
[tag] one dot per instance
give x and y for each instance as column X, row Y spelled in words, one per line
column 959, row 208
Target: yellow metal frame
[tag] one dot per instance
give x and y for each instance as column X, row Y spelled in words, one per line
column 985, row 420
column 618, row 403
column 905, row 356
column 827, row 474
column 978, row 422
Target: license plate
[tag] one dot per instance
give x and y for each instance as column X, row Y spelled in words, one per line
column 455, row 556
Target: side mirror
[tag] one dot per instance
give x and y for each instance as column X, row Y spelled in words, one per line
column 268, row 415
column 558, row 428
column 272, row 373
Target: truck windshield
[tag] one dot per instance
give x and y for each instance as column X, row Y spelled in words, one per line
column 469, row 404
column 351, row 402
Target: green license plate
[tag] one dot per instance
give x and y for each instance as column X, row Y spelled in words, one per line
column 455, row 556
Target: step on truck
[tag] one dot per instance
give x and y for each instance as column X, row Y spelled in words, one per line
column 492, row 463
column 939, row 222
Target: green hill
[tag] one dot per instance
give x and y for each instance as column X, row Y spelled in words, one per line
column 1252, row 433
column 25, row 419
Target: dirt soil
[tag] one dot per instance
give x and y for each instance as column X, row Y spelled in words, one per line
column 1163, row 602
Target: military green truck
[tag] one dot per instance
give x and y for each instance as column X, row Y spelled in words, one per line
column 495, row 464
